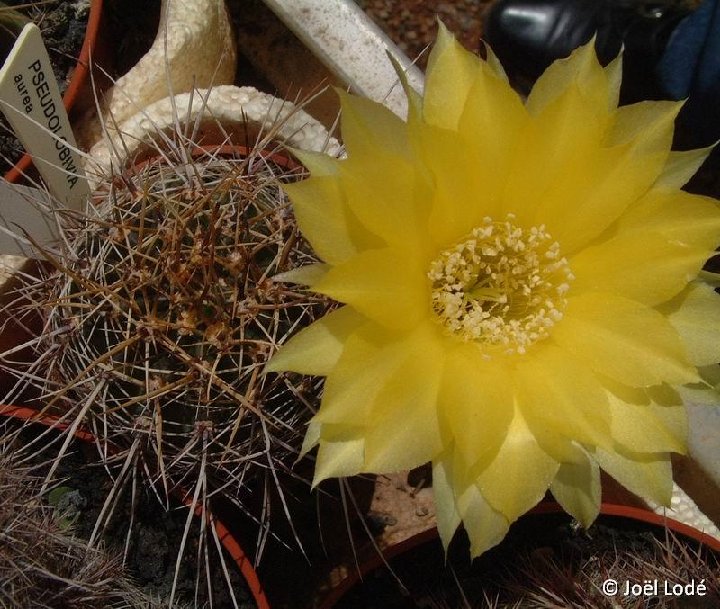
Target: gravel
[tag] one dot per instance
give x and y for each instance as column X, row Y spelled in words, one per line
column 412, row 24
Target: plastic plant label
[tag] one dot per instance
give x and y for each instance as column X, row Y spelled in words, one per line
column 30, row 99
column 25, row 210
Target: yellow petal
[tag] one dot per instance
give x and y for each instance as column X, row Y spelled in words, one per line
column 518, row 477
column 695, row 314
column 707, row 391
column 581, row 69
column 647, row 475
column 494, row 64
column 466, row 189
column 388, row 285
column 446, row 513
column 338, row 459
column 323, row 217
column 647, row 126
column 476, row 404
column 648, row 268
column 599, row 183
column 623, row 339
column 557, row 149
column 317, row 348
column 317, row 163
column 485, row 527
column 369, row 127
column 312, row 437
column 680, row 167
column 678, row 216
column 469, row 172
column 303, row 275
column 565, row 179
column 403, row 432
column 372, row 357
column 450, row 74
column 561, row 396
column 414, row 98
column 664, row 426
column 576, row 488
column 390, row 197
column 614, row 78
column 369, row 358
column 493, row 115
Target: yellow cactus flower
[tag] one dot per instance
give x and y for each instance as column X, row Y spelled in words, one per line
column 521, row 289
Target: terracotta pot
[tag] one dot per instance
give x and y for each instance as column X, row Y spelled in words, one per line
column 228, row 541
column 369, row 560
column 78, row 94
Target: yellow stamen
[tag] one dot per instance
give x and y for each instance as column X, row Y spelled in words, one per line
column 502, row 285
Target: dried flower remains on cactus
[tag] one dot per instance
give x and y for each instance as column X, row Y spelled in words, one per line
column 521, row 289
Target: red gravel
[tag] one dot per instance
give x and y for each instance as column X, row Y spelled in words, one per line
column 412, row 24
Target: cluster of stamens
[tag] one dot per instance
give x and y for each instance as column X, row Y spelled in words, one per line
column 503, row 286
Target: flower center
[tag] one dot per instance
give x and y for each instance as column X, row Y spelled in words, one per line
column 501, row 286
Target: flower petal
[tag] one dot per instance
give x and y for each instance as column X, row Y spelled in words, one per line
column 369, row 358
column 695, row 314
column 450, row 75
column 461, row 198
column 338, row 459
column 317, row 348
column 476, row 404
column 576, row 488
column 646, row 474
column 680, row 167
column 623, row 339
column 485, row 526
column 678, row 216
column 317, row 163
column 388, row 285
column 664, row 426
column 582, row 69
column 561, row 396
column 598, row 182
column 469, row 172
column 647, row 127
column 312, row 437
column 303, row 275
column 394, row 205
column 446, row 513
column 518, row 477
column 324, row 219
column 648, row 268
column 369, row 127
column 404, row 432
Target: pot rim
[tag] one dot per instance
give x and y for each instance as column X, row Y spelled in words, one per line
column 228, row 541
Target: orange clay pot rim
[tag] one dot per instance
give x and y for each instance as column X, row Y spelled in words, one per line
column 77, row 81
column 226, row 538
column 641, row 515
column 283, row 158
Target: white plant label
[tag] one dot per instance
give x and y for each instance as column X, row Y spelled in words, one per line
column 30, row 99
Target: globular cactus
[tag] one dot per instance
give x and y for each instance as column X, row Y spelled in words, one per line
column 162, row 311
